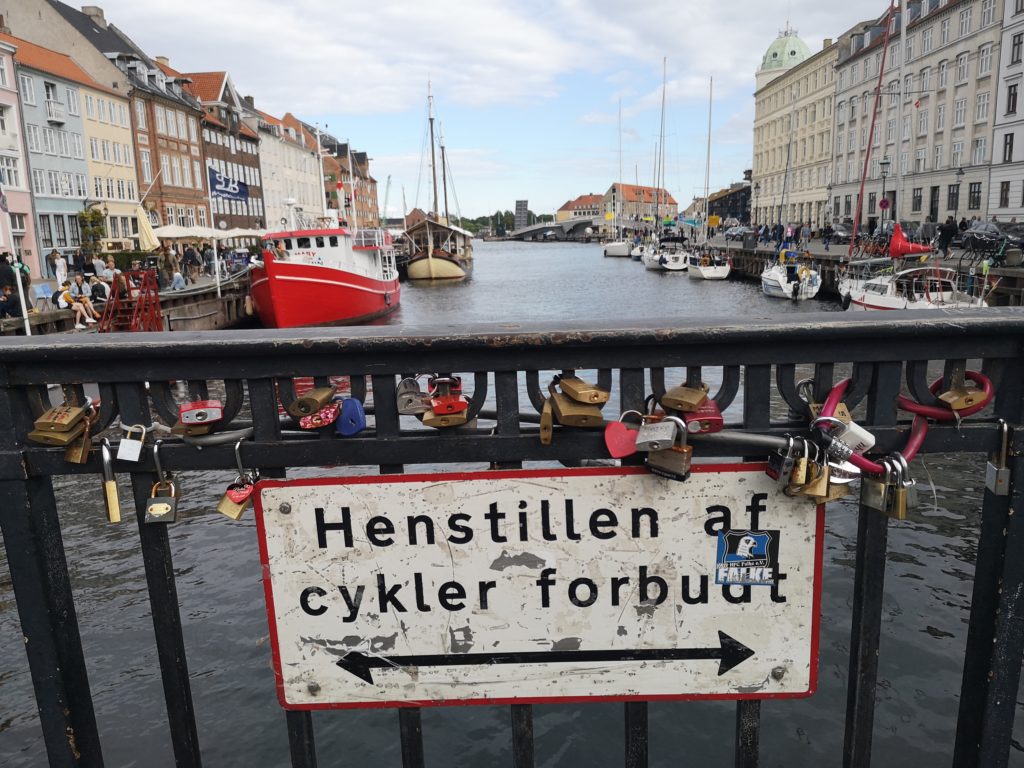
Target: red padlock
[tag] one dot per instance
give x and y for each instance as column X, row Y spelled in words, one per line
column 322, row 418
column 201, row 412
column 706, row 419
column 446, row 395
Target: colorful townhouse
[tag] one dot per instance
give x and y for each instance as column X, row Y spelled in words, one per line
column 289, row 168
column 17, row 226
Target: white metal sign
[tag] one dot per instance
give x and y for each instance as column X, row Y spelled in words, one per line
column 539, row 585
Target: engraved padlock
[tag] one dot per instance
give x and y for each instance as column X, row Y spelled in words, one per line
column 162, row 505
column 62, row 418
column 412, row 401
column 441, row 420
column 674, row 462
column 62, row 439
column 657, row 433
column 547, row 418
column 237, row 498
column 351, row 418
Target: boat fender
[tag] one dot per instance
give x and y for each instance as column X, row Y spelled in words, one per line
column 847, row 298
column 248, row 306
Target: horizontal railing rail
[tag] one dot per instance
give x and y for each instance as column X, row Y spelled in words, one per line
column 753, row 365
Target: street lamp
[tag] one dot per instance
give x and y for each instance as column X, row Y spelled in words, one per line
column 757, row 191
column 884, row 166
column 959, row 178
column 828, row 203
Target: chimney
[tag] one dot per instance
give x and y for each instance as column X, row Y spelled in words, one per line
column 826, row 43
column 95, row 13
column 163, row 60
column 249, row 102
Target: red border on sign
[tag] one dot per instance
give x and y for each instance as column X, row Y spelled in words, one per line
column 525, row 473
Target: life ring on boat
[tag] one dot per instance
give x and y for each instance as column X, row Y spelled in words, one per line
column 803, row 273
column 705, row 261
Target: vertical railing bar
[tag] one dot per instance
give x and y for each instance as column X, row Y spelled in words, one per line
column 1008, row 645
column 868, row 590
column 267, row 428
column 357, row 388
column 748, row 732
column 163, row 598
column 522, row 736
column 410, row 726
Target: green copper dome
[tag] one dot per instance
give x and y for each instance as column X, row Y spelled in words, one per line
column 786, row 51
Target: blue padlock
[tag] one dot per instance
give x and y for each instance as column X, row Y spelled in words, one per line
column 352, row 419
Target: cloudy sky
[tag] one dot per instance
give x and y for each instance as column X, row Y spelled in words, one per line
column 527, row 92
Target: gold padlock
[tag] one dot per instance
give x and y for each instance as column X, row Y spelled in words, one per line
column 842, row 412
column 569, row 413
column 79, row 449
column 60, row 419
column 547, row 431
column 835, row 491
column 959, row 398
column 582, row 391
column 440, row 420
column 61, row 439
column 110, row 497
column 311, row 402
column 191, row 430
column 686, row 399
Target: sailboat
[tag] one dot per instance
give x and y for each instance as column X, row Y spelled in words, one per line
column 439, row 250
column 620, row 246
column 660, row 254
column 707, row 263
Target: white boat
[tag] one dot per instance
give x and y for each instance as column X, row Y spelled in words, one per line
column 790, row 278
column 618, row 248
column 667, row 259
column 879, row 284
column 710, row 264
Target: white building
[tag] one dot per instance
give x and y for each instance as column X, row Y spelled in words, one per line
column 1006, row 190
column 290, row 169
column 931, row 123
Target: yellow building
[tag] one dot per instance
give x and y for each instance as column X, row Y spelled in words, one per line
column 113, row 183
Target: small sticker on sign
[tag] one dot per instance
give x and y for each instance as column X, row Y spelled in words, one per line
column 747, row 558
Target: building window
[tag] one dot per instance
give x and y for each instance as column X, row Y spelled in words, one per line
column 965, row 22
column 72, row 102
column 959, row 112
column 980, row 146
column 952, row 197
column 193, row 132
column 919, row 161
column 3, row 72
column 915, row 200
column 957, row 158
column 962, row 68
column 1008, row 148
column 165, row 168
column 45, row 232
column 894, row 93
column 926, row 81
column 140, row 114
column 872, row 201
column 76, row 144
column 27, row 88
column 169, row 212
column 940, row 117
column 196, row 175
column 926, row 40
column 847, row 205
column 161, row 120
column 1016, row 43
column 147, row 167
column 175, row 172
column 1004, row 194
column 943, row 73
column 182, row 220
column 61, row 230
column 1011, row 99
column 890, row 130
column 974, row 196
column 905, row 134
column 985, row 60
column 1018, row 7
column 922, row 122
column 10, row 176
column 74, row 236
column 981, row 107
column 988, row 12
column 202, row 217
column 944, row 32
column 53, row 183
column 186, row 175
column 937, row 164
column 908, row 53
column 904, row 163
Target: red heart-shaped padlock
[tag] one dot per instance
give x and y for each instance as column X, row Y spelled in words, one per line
column 239, row 493
column 620, row 439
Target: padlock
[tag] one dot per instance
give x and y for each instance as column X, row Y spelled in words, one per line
column 60, row 419
column 705, row 420
column 322, row 418
column 130, row 449
column 162, row 505
column 842, row 472
column 908, row 483
column 960, row 396
column 897, row 506
column 351, row 418
column 201, row 412
column 657, row 435
column 815, row 483
column 446, row 395
column 997, row 474
column 620, row 437
column 547, row 429
column 834, row 491
column 686, row 399
column 79, row 449
column 874, row 492
column 673, row 463
column 441, row 420
column 569, row 413
column 110, row 498
column 237, row 498
column 62, row 439
column 780, row 463
column 412, row 401
column 311, row 402
column 852, row 434
column 191, row 430
column 842, row 412
column 582, row 391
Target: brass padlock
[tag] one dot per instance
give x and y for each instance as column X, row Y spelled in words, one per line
column 569, row 413
column 311, row 402
column 60, row 419
column 582, row 391
column 842, row 412
column 874, row 493
column 62, row 439
column 683, row 398
column 79, row 449
column 674, row 462
column 440, row 420
column 191, row 430
column 162, row 505
column 412, row 401
column 547, row 431
column 960, row 397
column 237, row 498
column 897, row 507
column 110, row 498
column 835, row 491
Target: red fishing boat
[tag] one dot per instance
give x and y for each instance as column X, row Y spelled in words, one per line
column 324, row 277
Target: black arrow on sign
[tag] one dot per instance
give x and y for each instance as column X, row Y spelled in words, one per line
column 730, row 653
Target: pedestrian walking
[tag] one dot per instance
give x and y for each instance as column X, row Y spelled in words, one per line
column 60, row 267
column 946, row 234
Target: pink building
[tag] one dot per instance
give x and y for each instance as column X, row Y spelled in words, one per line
column 17, row 228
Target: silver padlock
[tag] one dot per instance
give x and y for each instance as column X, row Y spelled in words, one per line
column 412, row 401
column 657, row 435
column 997, row 474
column 874, row 491
column 852, row 433
column 908, row 483
column 130, row 449
column 780, row 464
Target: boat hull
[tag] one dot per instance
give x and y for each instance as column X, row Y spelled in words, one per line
column 423, row 267
column 712, row 272
column 776, row 284
column 294, row 295
column 620, row 248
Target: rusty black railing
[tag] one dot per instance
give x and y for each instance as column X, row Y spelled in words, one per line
column 759, row 361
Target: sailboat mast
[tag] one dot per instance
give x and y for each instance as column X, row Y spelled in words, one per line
column 707, row 159
column 354, row 223
column 617, row 201
column 444, row 172
column 904, row 16
column 661, row 155
column 433, row 156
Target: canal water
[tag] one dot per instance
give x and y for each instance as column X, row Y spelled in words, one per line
column 928, row 582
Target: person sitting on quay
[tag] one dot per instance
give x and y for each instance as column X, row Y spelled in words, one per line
column 66, row 301
column 10, row 305
column 98, row 289
column 81, row 292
